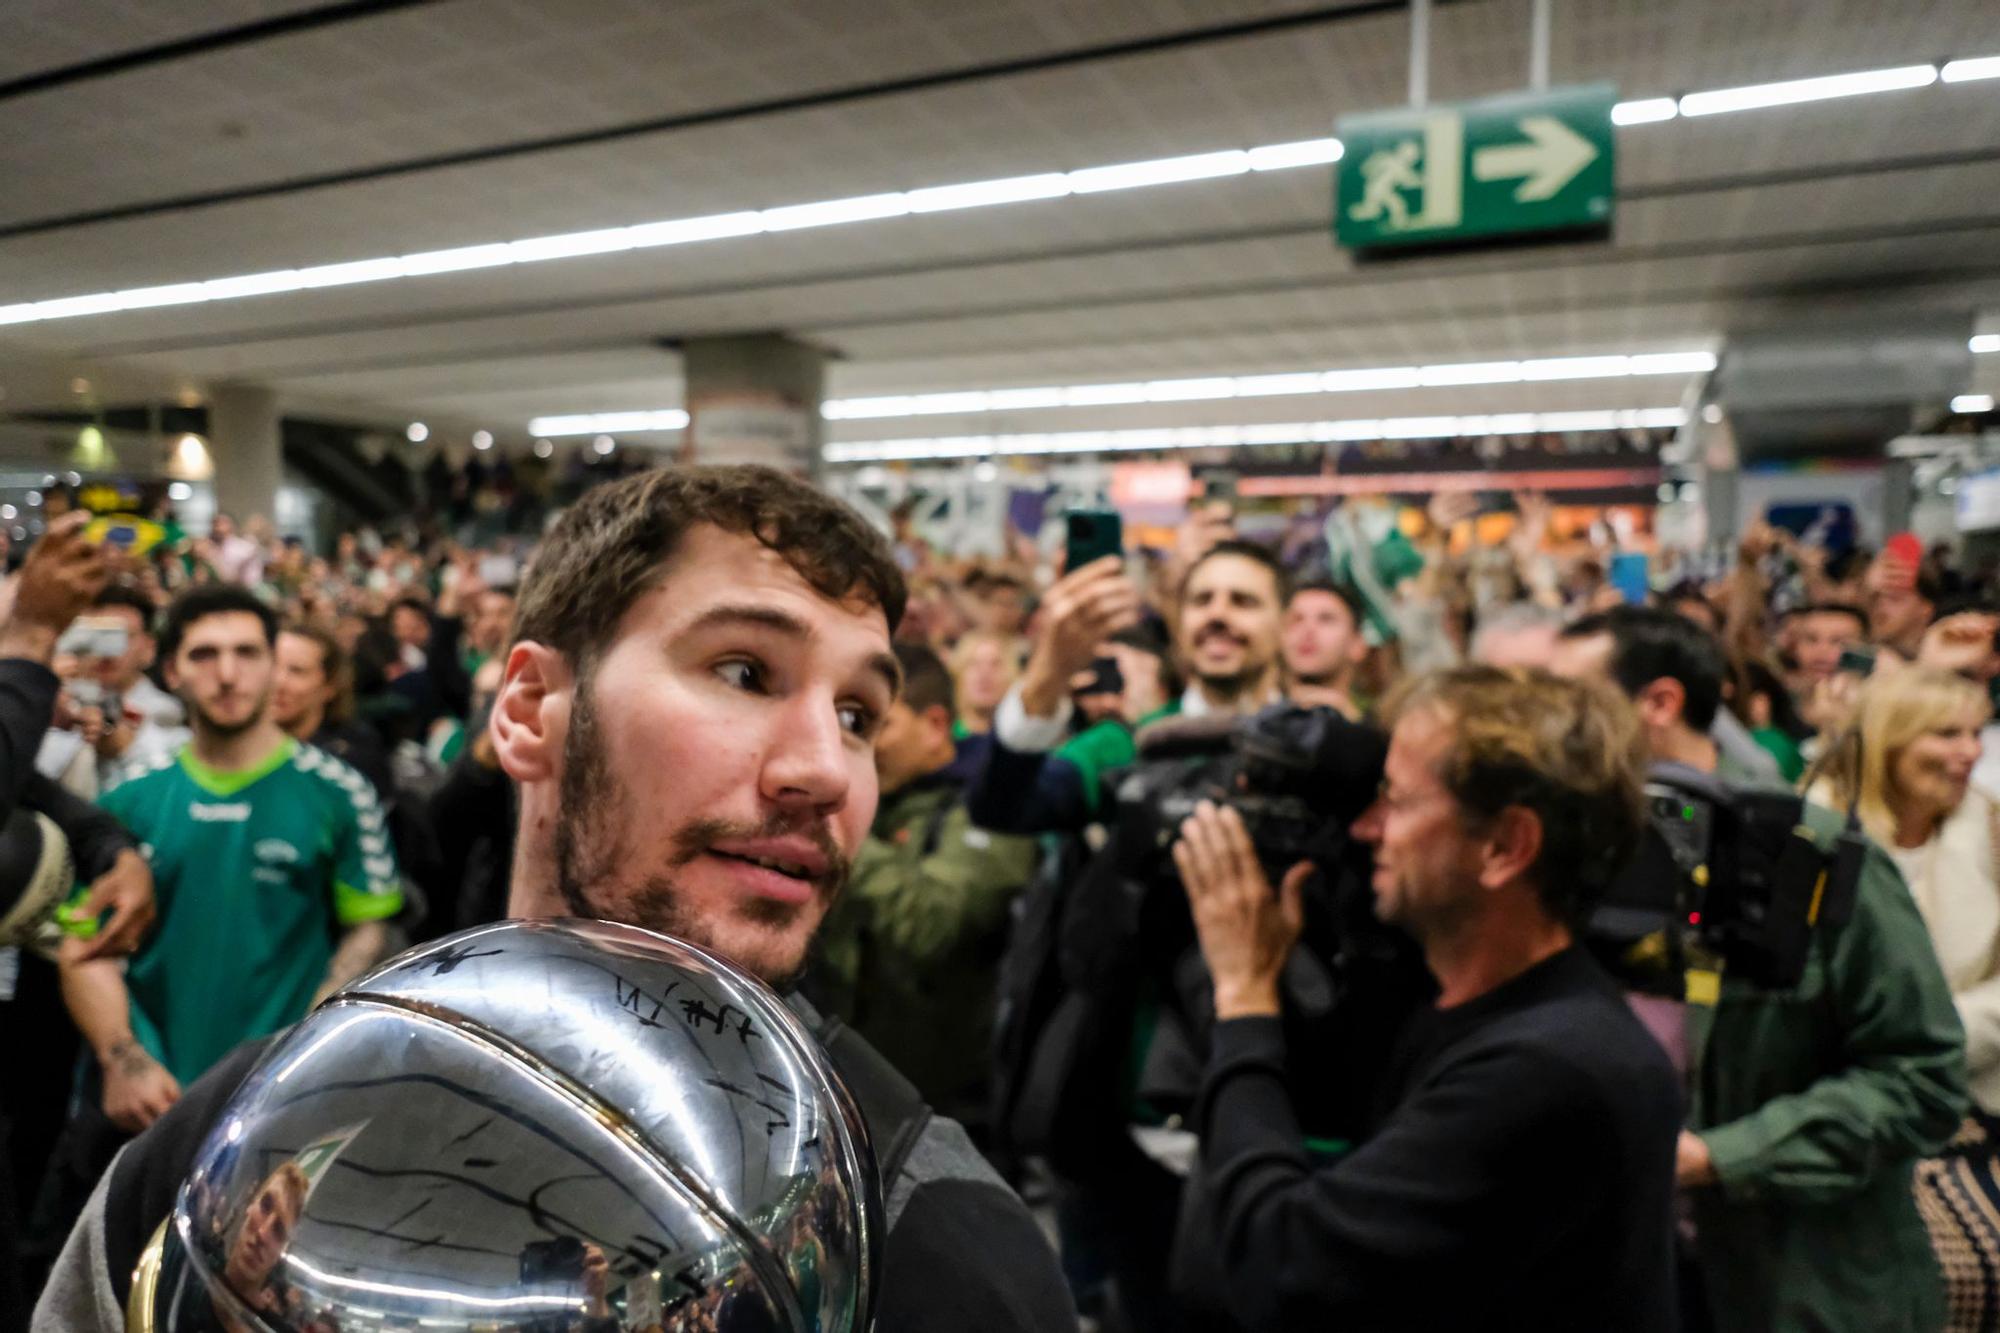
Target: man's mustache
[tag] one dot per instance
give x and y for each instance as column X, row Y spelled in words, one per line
column 703, row 834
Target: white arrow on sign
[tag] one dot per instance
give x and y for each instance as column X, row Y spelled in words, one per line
column 1548, row 163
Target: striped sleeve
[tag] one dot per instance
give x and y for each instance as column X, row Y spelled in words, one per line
column 366, row 884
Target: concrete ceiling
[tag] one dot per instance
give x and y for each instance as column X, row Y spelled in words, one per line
column 271, row 137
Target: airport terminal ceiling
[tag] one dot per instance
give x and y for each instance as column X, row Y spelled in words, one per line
column 152, row 146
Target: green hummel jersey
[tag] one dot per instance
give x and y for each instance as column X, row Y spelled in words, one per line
column 255, row 873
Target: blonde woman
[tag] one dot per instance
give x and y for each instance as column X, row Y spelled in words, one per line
column 984, row 665
column 1906, row 763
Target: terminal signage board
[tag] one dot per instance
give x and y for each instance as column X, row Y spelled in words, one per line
column 1502, row 169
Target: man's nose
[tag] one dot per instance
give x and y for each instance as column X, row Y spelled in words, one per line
column 806, row 760
column 1368, row 828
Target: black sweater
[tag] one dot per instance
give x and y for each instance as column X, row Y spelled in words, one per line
column 1521, row 1176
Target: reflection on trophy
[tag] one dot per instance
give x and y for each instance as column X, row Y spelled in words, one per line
column 535, row 1126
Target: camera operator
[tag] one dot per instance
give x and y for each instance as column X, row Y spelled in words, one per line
column 1520, row 1174
column 1808, row 1108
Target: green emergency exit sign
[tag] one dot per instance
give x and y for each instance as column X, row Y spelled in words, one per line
column 1521, row 165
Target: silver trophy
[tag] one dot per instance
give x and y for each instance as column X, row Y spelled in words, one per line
column 538, row 1126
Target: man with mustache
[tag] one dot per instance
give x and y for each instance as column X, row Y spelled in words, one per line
column 690, row 708
column 1231, row 603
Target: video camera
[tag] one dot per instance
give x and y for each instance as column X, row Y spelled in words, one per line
column 1297, row 776
column 1731, row 870
column 1722, row 870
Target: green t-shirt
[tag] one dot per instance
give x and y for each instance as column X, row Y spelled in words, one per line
column 255, row 873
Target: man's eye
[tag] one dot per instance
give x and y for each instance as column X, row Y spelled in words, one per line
column 857, row 719
column 742, row 674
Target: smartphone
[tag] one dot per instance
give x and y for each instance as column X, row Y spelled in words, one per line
column 499, row 571
column 1856, row 660
column 1629, row 576
column 1221, row 485
column 1105, row 678
column 1091, row 534
column 93, row 638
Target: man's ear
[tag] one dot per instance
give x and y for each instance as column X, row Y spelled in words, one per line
column 1662, row 702
column 938, row 718
column 1513, row 845
column 530, row 720
column 169, row 675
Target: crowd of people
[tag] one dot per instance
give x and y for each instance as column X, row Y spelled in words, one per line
column 1087, row 918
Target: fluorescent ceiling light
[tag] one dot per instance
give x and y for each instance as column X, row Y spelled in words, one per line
column 608, row 240
column 1793, row 91
column 605, row 423
column 253, row 284
column 682, row 231
column 1010, row 400
column 1981, row 343
column 933, row 199
column 459, row 260
column 1304, row 153
column 983, row 194
column 1673, row 363
column 965, row 402
column 833, row 212
column 359, row 270
column 1101, row 395
column 1965, row 71
column 1472, row 372
column 1234, row 436
column 149, row 298
column 1189, row 391
column 1972, row 402
column 1357, row 381
column 1645, row 111
column 1576, row 368
column 1160, row 171
column 65, row 307
column 1265, row 386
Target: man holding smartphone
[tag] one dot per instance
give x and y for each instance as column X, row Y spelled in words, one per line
column 1229, row 612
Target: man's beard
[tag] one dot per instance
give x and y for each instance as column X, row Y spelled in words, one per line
column 590, row 849
column 1227, row 684
column 219, row 729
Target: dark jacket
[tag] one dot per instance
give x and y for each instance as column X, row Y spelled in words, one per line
column 1816, row 1104
column 910, row 955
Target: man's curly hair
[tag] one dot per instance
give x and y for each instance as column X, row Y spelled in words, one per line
column 614, row 545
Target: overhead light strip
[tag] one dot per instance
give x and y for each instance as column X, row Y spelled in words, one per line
column 933, row 199
column 966, row 402
column 1236, row 437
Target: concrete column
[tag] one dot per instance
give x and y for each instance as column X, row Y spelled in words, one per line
column 244, row 440
column 754, row 398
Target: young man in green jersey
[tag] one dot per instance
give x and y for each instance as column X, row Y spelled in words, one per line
column 272, row 866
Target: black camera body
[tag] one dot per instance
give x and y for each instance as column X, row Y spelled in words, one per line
column 1297, row 777
column 1731, row 871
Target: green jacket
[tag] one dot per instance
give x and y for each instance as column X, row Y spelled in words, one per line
column 910, row 956
column 1815, row 1104
column 1107, row 745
